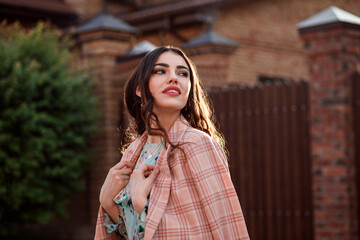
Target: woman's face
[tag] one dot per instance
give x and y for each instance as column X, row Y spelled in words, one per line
column 170, row 83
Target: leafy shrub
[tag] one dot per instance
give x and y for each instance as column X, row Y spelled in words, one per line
column 47, row 116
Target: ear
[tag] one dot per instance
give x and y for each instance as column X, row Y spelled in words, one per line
column 138, row 92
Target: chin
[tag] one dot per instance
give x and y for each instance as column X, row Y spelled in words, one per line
column 170, row 108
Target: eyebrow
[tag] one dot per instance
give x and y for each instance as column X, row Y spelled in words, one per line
column 167, row 65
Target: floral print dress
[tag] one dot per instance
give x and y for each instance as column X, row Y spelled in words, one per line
column 131, row 225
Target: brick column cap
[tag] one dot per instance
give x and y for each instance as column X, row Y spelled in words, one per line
column 210, row 42
column 105, row 21
column 328, row 17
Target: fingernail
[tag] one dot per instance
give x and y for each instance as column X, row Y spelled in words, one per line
column 157, row 170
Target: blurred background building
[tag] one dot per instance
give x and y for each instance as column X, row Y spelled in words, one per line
column 284, row 90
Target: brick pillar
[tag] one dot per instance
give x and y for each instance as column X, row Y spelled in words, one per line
column 332, row 48
column 211, row 53
column 100, row 55
column 99, row 48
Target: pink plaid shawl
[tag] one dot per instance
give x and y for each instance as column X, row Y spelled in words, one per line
column 193, row 196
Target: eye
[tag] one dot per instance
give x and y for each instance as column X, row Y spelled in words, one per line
column 158, row 71
column 184, row 73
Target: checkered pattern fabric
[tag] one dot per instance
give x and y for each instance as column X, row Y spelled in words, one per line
column 193, row 196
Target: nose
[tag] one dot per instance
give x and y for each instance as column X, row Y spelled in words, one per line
column 172, row 77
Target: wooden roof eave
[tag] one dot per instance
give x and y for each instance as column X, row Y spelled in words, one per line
column 58, row 12
column 174, row 14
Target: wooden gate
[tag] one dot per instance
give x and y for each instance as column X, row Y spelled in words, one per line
column 267, row 134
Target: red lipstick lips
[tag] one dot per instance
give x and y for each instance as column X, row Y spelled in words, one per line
column 172, row 90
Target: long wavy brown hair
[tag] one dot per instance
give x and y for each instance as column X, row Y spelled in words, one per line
column 197, row 110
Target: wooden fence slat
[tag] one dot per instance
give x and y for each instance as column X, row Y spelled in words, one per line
column 296, row 180
column 240, row 154
column 285, row 163
column 277, row 139
column 272, row 169
column 249, row 155
column 257, row 160
column 267, row 159
column 307, row 164
column 356, row 107
column 232, row 127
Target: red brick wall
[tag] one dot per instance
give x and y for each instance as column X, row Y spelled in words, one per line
column 86, row 9
column 266, row 31
column 212, row 68
column 267, row 34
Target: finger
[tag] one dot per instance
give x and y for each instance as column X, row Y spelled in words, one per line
column 123, row 177
column 123, row 164
column 146, row 167
column 125, row 171
column 154, row 175
column 147, row 173
column 128, row 164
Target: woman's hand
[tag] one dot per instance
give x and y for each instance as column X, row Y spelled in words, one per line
column 141, row 182
column 115, row 181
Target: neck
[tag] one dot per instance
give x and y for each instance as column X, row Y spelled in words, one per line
column 166, row 121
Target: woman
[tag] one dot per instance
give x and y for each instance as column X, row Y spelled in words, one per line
column 173, row 181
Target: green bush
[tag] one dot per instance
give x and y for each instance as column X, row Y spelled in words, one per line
column 47, row 116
